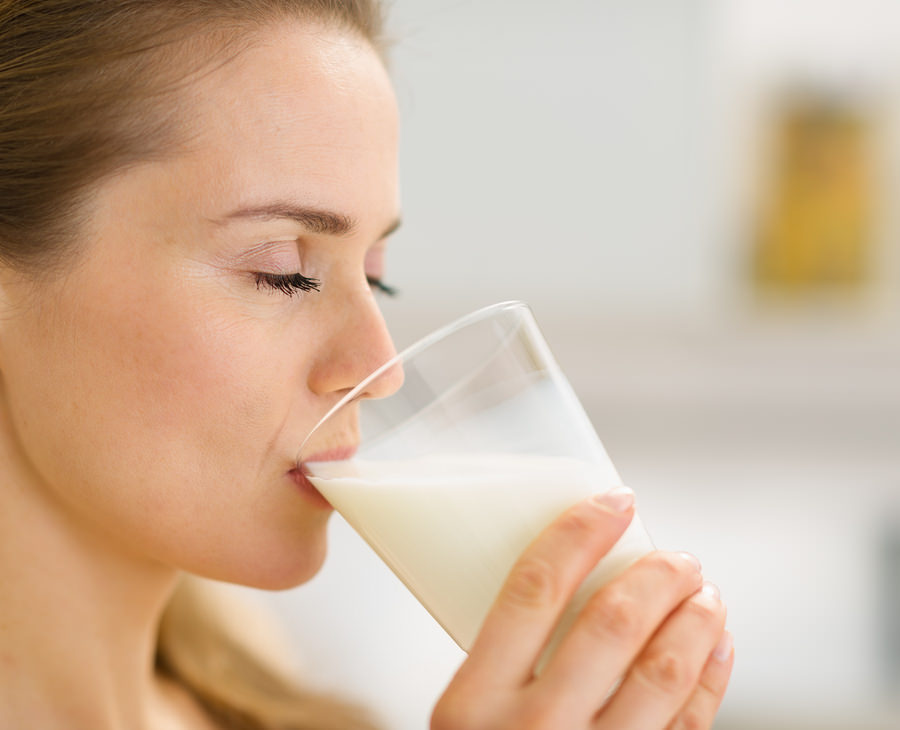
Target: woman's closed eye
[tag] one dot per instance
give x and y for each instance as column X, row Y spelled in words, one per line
column 298, row 283
column 289, row 284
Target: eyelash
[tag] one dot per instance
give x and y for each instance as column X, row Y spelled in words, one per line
column 287, row 283
column 379, row 286
column 296, row 283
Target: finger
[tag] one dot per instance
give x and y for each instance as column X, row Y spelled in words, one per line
column 701, row 708
column 539, row 586
column 666, row 672
column 614, row 627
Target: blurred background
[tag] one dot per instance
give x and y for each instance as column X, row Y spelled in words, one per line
column 697, row 197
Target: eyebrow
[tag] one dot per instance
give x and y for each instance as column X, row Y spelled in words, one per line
column 315, row 220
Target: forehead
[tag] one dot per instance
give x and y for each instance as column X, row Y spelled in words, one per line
column 306, row 106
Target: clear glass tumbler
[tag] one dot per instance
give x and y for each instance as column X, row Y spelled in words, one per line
column 479, row 445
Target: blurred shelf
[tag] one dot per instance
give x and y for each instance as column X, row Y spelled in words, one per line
column 795, row 388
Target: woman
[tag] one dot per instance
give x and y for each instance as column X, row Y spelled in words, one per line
column 195, row 197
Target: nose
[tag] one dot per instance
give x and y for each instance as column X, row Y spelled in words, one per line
column 357, row 343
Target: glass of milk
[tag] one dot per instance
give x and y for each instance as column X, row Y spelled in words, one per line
column 464, row 447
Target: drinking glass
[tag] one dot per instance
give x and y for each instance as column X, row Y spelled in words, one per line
column 450, row 459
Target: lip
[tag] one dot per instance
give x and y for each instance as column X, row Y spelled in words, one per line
column 308, row 490
column 338, row 453
column 299, row 473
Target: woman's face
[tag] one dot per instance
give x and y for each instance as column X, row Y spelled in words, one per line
column 159, row 389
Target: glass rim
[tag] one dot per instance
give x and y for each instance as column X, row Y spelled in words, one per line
column 409, row 351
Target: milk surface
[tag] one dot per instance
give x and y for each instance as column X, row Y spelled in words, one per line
column 451, row 527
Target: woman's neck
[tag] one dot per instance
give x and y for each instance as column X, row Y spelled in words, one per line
column 78, row 616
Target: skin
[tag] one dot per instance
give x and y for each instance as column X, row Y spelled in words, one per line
column 155, row 395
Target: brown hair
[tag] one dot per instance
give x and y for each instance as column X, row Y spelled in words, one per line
column 225, row 671
column 85, row 91
column 80, row 89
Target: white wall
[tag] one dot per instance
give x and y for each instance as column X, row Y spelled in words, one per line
column 555, row 152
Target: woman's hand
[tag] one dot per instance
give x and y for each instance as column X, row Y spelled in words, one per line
column 657, row 627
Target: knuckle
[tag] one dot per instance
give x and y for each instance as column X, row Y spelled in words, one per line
column 709, row 612
column 667, row 672
column 669, row 565
column 576, row 524
column 532, row 584
column 691, row 719
column 613, row 614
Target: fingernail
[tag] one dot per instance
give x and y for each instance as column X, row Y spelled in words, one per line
column 723, row 649
column 708, row 595
column 692, row 559
column 620, row 499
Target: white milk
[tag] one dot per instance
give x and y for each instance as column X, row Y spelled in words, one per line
column 451, row 527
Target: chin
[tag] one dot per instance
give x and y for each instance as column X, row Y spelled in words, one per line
column 272, row 565
column 287, row 570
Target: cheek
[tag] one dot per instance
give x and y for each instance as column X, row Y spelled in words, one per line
column 187, row 378
column 151, row 390
column 165, row 373
column 161, row 418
